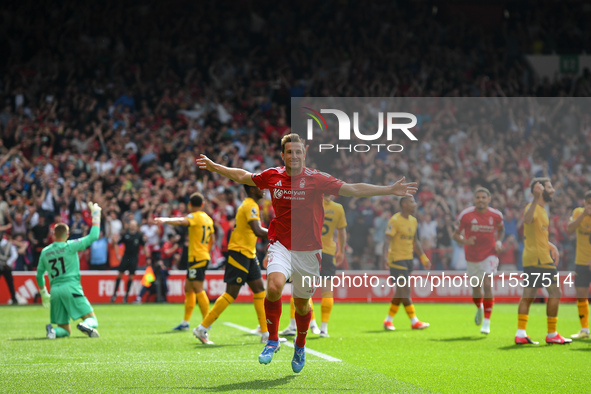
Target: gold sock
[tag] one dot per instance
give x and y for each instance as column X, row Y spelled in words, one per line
column 552, row 322
column 258, row 299
column 203, row 302
column 190, row 300
column 326, row 308
column 522, row 321
column 410, row 311
column 393, row 310
column 583, row 307
column 220, row 305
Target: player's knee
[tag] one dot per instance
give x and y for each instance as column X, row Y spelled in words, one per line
column 274, row 290
column 554, row 292
column 233, row 291
column 256, row 286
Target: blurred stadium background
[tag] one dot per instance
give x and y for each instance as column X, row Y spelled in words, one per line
column 112, row 102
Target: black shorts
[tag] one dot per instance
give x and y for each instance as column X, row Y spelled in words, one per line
column 327, row 267
column 534, row 277
column 197, row 273
column 128, row 264
column 396, row 272
column 582, row 276
column 241, row 269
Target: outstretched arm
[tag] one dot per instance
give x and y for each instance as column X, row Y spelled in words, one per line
column 236, row 174
column 182, row 221
column 366, row 190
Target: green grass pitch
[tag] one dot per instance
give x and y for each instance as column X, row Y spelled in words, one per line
column 138, row 352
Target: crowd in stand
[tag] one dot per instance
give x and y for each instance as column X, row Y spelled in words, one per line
column 111, row 103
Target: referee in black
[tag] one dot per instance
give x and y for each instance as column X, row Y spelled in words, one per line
column 132, row 239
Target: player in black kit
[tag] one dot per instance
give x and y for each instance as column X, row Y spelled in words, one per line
column 132, row 239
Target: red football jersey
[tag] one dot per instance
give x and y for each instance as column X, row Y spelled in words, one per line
column 483, row 227
column 297, row 201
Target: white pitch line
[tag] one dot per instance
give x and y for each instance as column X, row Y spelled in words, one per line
column 308, row 350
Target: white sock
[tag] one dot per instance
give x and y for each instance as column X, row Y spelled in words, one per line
column 201, row 327
column 486, row 322
column 185, row 322
column 552, row 334
column 414, row 320
column 390, row 318
column 292, row 324
column 585, row 330
column 521, row 333
column 324, row 326
column 313, row 323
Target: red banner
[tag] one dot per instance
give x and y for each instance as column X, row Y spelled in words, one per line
column 349, row 286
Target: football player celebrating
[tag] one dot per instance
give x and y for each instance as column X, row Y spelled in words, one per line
column 296, row 193
column 401, row 241
column 580, row 222
column 481, row 230
column 539, row 264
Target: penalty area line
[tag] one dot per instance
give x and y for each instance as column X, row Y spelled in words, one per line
column 308, row 350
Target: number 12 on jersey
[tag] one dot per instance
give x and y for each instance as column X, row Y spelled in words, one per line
column 206, row 234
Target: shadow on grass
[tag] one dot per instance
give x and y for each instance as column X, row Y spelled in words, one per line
column 379, row 331
column 171, row 332
column 257, row 384
column 582, row 350
column 515, row 346
column 460, row 339
column 199, row 345
column 42, row 338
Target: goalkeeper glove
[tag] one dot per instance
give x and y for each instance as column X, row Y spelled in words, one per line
column 45, row 297
column 95, row 212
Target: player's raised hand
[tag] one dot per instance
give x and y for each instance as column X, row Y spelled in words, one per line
column 538, row 190
column 160, row 220
column 404, row 189
column 95, row 212
column 205, row 163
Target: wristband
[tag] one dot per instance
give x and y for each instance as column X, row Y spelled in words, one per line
column 499, row 244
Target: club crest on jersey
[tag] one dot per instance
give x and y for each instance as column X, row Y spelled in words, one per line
column 302, row 183
column 277, row 193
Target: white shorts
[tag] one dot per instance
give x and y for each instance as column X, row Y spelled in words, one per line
column 302, row 267
column 487, row 266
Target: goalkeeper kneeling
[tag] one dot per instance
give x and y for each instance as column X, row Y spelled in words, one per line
column 67, row 300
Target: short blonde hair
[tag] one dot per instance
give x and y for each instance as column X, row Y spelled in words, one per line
column 61, row 230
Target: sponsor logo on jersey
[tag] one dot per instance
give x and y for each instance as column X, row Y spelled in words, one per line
column 289, row 194
column 478, row 228
column 277, row 193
